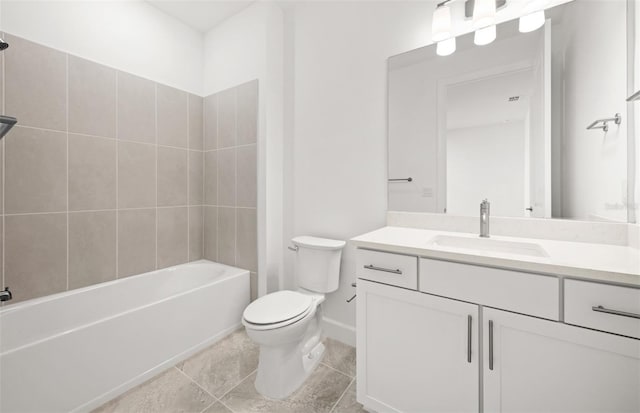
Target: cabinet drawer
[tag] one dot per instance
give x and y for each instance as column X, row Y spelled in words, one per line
column 394, row 269
column 602, row 307
column 531, row 294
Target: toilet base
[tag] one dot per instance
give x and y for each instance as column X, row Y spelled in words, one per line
column 283, row 369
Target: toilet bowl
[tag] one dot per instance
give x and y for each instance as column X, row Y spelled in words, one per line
column 290, row 346
column 287, row 324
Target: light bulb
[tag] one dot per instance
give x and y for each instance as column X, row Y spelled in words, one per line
column 485, row 35
column 531, row 22
column 446, row 47
column 441, row 25
column 484, row 13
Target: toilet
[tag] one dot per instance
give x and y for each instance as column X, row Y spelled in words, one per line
column 287, row 324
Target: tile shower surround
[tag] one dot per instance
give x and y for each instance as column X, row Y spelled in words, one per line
column 104, row 175
column 230, row 154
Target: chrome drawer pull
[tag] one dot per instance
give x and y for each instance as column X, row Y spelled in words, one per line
column 373, row 267
column 601, row 309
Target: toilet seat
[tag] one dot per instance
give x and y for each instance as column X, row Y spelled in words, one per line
column 277, row 310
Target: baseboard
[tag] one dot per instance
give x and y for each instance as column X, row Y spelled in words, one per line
column 339, row 331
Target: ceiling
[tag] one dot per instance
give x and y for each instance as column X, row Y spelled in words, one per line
column 201, row 15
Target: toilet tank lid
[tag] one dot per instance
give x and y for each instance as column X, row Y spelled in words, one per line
column 318, row 243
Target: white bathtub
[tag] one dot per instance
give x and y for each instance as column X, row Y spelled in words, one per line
column 76, row 350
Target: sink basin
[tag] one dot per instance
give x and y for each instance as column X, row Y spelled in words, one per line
column 488, row 245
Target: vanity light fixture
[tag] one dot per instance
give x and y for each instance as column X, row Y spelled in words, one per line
column 485, row 35
column 441, row 24
column 533, row 16
column 446, row 47
column 441, row 30
column 484, row 13
column 484, row 21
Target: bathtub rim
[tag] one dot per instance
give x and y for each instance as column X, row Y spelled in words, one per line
column 9, row 308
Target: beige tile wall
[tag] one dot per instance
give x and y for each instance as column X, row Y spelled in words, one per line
column 103, row 176
column 230, row 159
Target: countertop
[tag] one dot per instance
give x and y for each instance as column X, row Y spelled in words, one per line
column 577, row 260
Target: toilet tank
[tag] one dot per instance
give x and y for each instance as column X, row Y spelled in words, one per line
column 318, row 263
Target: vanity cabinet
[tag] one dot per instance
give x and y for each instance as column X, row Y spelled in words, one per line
column 537, row 365
column 416, row 352
column 471, row 338
column 531, row 294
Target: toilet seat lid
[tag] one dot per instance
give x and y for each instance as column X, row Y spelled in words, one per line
column 277, row 307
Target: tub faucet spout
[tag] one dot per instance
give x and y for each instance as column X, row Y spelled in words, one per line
column 6, row 295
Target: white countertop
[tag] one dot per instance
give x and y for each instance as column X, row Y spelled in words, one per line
column 596, row 262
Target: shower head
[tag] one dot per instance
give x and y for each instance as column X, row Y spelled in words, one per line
column 6, row 123
column 3, row 45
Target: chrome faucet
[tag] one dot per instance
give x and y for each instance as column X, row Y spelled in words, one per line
column 6, row 295
column 485, row 212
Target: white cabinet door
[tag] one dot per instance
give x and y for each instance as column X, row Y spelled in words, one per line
column 545, row 366
column 416, row 352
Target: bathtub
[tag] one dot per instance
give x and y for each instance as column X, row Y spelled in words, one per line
column 76, row 350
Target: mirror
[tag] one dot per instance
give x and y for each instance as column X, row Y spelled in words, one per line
column 509, row 121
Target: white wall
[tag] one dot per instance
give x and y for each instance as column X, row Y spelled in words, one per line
column 595, row 164
column 249, row 46
column 132, row 36
column 339, row 145
column 486, row 162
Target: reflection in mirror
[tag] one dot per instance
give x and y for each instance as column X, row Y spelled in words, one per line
column 508, row 121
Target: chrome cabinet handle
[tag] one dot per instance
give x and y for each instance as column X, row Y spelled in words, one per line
column 601, row 309
column 373, row 267
column 490, row 345
column 469, row 326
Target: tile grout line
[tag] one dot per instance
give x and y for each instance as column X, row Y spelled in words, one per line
column 202, row 200
column 67, row 142
column 188, row 182
column 225, row 405
column 235, row 179
column 244, row 145
column 217, row 106
column 155, row 115
column 103, row 210
column 342, row 396
column 207, row 408
column 88, row 135
column 238, row 384
column 216, row 399
column 336, row 370
column 117, row 138
column 192, row 380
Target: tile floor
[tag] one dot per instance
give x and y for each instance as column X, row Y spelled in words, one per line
column 220, row 379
